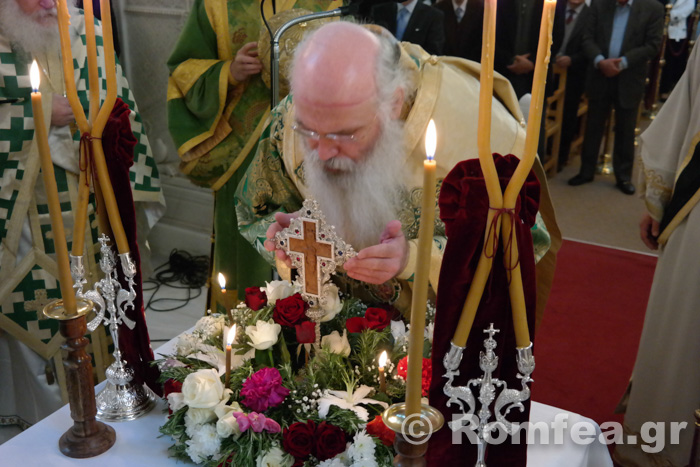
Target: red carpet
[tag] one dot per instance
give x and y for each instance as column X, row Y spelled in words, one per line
column 587, row 344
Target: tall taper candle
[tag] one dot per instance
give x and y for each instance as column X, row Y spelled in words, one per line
column 420, row 281
column 517, row 297
column 230, row 336
column 47, row 172
column 488, row 168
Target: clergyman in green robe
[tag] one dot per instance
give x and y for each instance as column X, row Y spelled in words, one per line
column 217, row 104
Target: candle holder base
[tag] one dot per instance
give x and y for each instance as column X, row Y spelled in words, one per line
column 87, row 437
column 77, row 446
column 412, row 432
column 122, row 399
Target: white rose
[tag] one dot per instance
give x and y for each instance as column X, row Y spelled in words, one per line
column 277, row 290
column 264, row 334
column 330, row 303
column 337, row 344
column 228, row 426
column 176, row 401
column 203, row 389
column 222, row 409
column 275, row 457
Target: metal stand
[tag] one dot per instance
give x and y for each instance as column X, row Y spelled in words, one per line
column 507, row 399
column 121, row 399
column 87, row 437
column 412, row 432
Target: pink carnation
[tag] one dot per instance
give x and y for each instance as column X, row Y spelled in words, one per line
column 258, row 422
column 264, row 390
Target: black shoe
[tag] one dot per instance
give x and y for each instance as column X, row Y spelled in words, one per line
column 625, row 187
column 579, row 180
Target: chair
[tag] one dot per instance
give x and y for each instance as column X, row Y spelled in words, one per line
column 553, row 121
column 582, row 114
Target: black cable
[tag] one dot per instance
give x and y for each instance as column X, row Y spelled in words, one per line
column 182, row 268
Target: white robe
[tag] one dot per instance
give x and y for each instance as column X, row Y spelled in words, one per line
column 666, row 376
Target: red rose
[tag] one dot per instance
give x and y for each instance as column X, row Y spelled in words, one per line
column 306, row 332
column 377, row 318
column 379, row 430
column 426, row 376
column 357, row 324
column 255, row 298
column 298, row 440
column 290, row 311
column 171, row 385
column 330, row 441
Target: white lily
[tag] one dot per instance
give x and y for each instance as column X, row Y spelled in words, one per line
column 348, row 400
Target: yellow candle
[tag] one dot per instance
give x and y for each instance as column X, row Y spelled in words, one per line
column 91, row 46
column 488, row 168
column 68, row 72
column 224, row 300
column 420, row 281
column 230, row 336
column 382, row 378
column 47, row 172
column 98, row 128
column 510, row 197
column 83, row 125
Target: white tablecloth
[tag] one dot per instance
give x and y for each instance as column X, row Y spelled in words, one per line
column 138, row 443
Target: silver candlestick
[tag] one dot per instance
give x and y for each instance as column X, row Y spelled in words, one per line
column 121, row 399
column 506, row 400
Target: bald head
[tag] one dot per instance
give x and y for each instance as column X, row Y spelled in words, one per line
column 336, row 66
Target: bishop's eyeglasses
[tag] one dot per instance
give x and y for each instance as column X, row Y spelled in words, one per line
column 335, row 137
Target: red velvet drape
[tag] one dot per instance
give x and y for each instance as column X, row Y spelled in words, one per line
column 119, row 142
column 464, row 208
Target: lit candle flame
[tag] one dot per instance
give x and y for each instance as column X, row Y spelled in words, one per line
column 222, row 282
column 430, row 140
column 382, row 359
column 231, row 336
column 34, row 76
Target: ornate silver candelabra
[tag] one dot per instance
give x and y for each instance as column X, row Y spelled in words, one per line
column 121, row 399
column 506, row 400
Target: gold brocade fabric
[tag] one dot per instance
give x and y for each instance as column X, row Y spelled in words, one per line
column 275, row 182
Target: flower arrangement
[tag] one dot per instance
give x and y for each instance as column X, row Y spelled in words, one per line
column 290, row 402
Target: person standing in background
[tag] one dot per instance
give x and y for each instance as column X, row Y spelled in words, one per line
column 572, row 58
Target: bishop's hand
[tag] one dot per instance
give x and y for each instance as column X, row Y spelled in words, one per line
column 380, row 263
column 282, row 222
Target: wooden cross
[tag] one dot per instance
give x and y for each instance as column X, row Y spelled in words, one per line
column 313, row 249
column 41, row 300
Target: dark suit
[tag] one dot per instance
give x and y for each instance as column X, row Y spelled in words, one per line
column 575, row 83
column 507, row 18
column 641, row 43
column 463, row 38
column 425, row 26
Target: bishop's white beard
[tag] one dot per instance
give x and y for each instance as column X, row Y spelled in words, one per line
column 25, row 33
column 363, row 198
